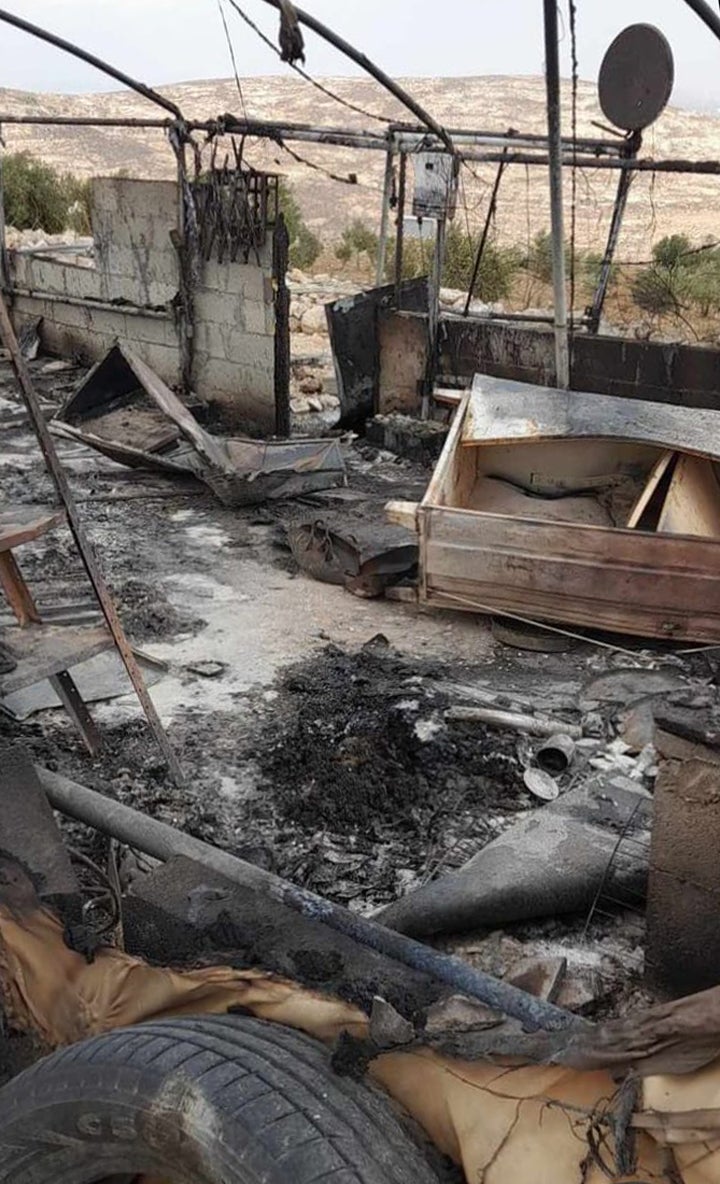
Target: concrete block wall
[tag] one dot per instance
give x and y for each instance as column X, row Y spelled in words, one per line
column 136, row 267
column 234, row 348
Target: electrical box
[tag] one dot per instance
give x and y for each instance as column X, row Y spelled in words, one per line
column 435, row 192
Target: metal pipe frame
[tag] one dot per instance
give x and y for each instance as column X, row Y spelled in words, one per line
column 147, row 92
column 384, row 218
column 405, row 140
column 555, row 167
column 398, row 92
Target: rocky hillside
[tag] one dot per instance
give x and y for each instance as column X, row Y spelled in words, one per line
column 661, row 204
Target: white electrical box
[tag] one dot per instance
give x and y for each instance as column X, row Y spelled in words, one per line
column 435, row 193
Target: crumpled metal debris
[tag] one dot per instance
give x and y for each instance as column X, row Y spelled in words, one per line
column 124, row 411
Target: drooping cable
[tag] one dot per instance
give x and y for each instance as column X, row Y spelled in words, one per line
column 233, row 59
column 304, row 74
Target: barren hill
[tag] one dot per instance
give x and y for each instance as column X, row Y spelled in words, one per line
column 659, row 204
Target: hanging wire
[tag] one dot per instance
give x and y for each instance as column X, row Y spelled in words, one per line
column 304, row 74
column 231, row 49
column 349, row 179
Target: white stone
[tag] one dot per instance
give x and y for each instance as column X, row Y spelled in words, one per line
column 314, row 321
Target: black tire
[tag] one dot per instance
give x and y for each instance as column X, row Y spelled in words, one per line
column 226, row 1100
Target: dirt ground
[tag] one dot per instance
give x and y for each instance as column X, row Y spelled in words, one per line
column 309, row 722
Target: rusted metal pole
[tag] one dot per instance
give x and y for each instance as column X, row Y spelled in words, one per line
column 384, row 218
column 404, row 137
column 434, row 316
column 484, row 236
column 400, row 236
column 163, row 842
column 696, row 167
column 594, row 313
column 281, row 249
column 84, row 546
column 4, row 269
column 68, row 47
column 552, row 84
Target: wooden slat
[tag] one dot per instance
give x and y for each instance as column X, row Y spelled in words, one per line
column 44, row 650
column 22, row 524
column 619, row 580
column 659, row 470
column 448, row 397
column 16, row 590
column 504, row 412
column 439, row 487
column 692, row 504
column 402, row 514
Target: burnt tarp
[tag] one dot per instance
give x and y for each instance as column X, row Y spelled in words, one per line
column 125, row 411
column 365, row 557
column 353, row 326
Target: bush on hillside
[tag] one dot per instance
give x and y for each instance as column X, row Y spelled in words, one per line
column 305, row 247
column 357, row 239
column 36, row 196
column 497, row 267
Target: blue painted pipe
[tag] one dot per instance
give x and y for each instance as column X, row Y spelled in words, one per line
column 163, row 842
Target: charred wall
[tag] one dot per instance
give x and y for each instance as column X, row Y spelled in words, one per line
column 130, row 291
column 661, row 372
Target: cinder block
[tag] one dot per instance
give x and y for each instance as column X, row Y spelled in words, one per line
column 104, row 196
column 20, row 269
column 153, row 331
column 140, row 198
column 83, row 282
column 234, row 345
column 74, row 316
column 246, row 280
column 133, row 290
column 220, row 308
column 46, row 275
column 259, row 318
column 163, row 359
column 246, row 395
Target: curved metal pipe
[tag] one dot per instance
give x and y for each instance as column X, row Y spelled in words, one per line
column 366, row 64
column 67, row 46
column 707, row 15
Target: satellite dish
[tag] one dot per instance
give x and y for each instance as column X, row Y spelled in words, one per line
column 636, row 78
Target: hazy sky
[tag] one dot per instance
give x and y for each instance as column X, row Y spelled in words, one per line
column 165, row 41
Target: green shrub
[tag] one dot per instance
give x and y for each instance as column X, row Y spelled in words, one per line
column 357, row 239
column 79, row 198
column 657, row 290
column 497, row 266
column 674, row 251
column 305, row 247
column 703, row 282
column 35, row 194
column 37, row 197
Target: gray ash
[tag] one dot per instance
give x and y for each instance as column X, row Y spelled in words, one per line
column 363, row 748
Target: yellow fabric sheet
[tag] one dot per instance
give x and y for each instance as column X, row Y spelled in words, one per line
column 506, row 1124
